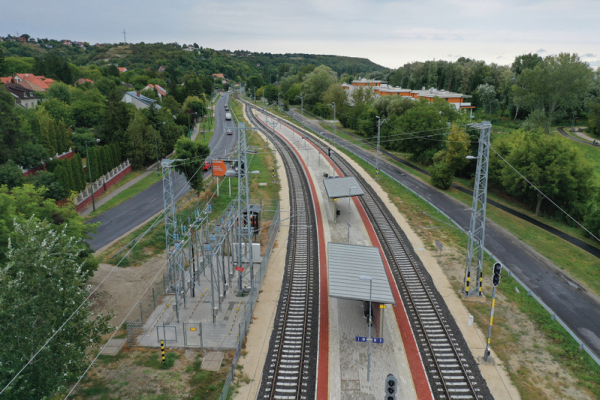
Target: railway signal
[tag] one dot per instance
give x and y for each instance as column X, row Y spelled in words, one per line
column 495, row 282
column 391, row 387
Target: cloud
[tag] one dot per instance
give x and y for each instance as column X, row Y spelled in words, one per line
column 541, row 51
column 589, row 55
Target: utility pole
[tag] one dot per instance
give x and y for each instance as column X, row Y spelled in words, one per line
column 301, row 104
column 254, row 95
column 379, row 122
column 244, row 207
column 87, row 161
column 475, row 249
column 334, row 126
column 124, row 36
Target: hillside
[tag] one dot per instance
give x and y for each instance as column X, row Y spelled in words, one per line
column 236, row 65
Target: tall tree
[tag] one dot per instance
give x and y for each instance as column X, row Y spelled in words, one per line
column 554, row 85
column 193, row 154
column 10, row 132
column 62, row 177
column 140, row 141
column 3, row 68
column 43, row 281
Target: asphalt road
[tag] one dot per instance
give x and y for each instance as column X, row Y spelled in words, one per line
column 565, row 134
column 119, row 220
column 572, row 303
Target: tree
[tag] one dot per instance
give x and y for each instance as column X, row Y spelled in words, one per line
column 442, row 176
column 87, row 113
column 3, row 68
column 594, row 117
column 554, row 85
column 11, row 175
column 62, row 177
column 43, row 281
column 59, row 91
column 115, row 118
column 47, row 182
column 31, row 155
column 487, row 95
column 194, row 155
column 9, row 125
column 105, row 85
column 553, row 165
column 525, row 61
column 58, row 110
column 67, row 166
column 270, row 92
column 316, row 83
column 112, row 70
column 77, row 167
column 94, row 163
column 140, row 142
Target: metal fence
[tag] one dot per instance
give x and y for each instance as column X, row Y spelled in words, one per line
column 135, row 321
column 249, row 305
column 341, row 143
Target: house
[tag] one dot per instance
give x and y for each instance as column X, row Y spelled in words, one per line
column 81, row 81
column 138, row 100
column 67, row 43
column 33, row 82
column 1, row 39
column 24, row 97
column 5, row 80
column 159, row 90
column 22, row 39
column 34, row 40
column 162, row 68
column 122, row 69
column 218, row 76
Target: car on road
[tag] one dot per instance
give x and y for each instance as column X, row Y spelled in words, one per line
column 207, row 165
column 229, row 131
column 226, row 108
column 228, row 116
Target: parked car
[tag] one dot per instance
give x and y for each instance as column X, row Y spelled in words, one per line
column 207, row 165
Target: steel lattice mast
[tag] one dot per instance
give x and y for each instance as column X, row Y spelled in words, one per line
column 475, row 249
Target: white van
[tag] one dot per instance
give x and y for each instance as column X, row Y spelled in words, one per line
column 228, row 116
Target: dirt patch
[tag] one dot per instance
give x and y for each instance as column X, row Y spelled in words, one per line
column 123, row 287
column 522, row 347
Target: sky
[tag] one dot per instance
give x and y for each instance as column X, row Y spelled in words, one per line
column 387, row 32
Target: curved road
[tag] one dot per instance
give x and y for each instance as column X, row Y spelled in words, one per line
column 565, row 134
column 571, row 302
column 121, row 219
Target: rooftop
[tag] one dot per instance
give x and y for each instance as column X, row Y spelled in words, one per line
column 342, row 187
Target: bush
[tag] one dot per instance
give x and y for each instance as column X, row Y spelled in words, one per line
column 592, row 223
column 441, row 176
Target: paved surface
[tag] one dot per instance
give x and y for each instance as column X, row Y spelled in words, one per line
column 212, row 361
column 121, row 219
column 571, row 302
column 565, row 134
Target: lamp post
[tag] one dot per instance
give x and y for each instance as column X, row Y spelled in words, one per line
column 254, row 95
column 334, row 126
column 368, row 278
column 301, row 104
column 90, row 171
column 379, row 122
column 349, row 197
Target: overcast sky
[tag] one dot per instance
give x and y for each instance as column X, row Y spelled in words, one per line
column 388, row 32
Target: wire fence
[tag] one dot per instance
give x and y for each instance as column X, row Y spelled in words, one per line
column 249, row 306
column 147, row 304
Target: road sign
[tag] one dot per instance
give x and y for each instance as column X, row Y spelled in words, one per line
column 241, row 269
column 218, row 168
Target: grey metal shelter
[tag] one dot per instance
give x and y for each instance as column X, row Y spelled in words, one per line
column 346, row 262
column 341, row 187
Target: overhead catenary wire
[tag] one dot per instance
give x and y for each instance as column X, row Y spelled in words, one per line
column 79, row 307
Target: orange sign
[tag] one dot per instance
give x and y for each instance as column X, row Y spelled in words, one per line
column 218, row 168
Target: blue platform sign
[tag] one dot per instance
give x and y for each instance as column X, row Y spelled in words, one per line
column 361, row 339
column 365, row 339
column 378, row 340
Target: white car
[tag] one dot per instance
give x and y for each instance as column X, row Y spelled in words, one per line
column 229, row 131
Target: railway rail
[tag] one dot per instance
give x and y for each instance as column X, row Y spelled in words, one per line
column 291, row 364
column 451, row 369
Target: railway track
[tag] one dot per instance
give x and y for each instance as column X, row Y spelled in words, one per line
column 291, row 363
column 449, row 364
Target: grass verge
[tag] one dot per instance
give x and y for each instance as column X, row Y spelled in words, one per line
column 128, row 193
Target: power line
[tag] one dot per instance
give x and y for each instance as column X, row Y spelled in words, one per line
column 81, row 305
column 543, row 194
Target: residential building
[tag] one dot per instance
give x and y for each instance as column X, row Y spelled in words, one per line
column 218, row 76
column 33, row 82
column 162, row 68
column 22, row 39
column 24, row 97
column 49, row 46
column 81, row 81
column 158, row 89
column 122, row 69
column 5, row 80
column 67, row 43
column 138, row 100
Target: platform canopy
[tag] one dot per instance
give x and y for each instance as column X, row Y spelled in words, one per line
column 342, row 187
column 347, row 263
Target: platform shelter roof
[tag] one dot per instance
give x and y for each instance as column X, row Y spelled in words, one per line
column 342, row 187
column 347, row 263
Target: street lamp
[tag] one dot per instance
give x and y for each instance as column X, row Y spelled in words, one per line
column 334, row 126
column 301, row 104
column 156, row 143
column 87, row 161
column 368, row 278
column 349, row 197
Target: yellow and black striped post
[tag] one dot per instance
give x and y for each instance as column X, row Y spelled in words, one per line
column 468, row 282
column 489, row 337
column 480, row 283
column 162, row 350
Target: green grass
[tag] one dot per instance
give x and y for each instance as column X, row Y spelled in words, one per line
column 564, row 349
column 126, row 194
column 153, row 360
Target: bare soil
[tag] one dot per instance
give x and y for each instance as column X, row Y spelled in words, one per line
column 123, row 287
